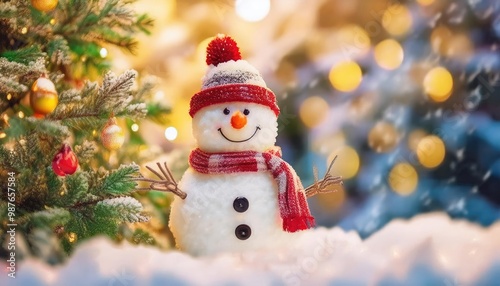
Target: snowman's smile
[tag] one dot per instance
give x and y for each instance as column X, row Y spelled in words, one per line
column 239, row 141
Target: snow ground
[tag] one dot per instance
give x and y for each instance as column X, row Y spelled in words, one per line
column 430, row 249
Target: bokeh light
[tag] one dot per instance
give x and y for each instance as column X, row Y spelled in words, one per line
column 313, row 111
column 414, row 138
column 171, row 133
column 440, row 38
column 397, row 20
column 431, row 151
column 383, row 137
column 333, row 200
column 403, row 179
column 345, row 76
column 134, row 127
column 103, row 52
column 438, row 84
column 252, row 10
column 347, row 163
column 389, row 54
column 425, row 2
column 353, row 40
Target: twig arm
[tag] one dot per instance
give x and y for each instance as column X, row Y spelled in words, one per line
column 165, row 184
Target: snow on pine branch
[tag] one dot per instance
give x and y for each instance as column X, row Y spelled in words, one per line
column 93, row 104
column 127, row 208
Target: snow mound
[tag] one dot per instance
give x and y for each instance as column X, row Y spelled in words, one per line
column 430, row 249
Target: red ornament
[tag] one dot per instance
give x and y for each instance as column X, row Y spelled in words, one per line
column 65, row 161
column 222, row 49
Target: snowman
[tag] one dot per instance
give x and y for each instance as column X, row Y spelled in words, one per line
column 238, row 194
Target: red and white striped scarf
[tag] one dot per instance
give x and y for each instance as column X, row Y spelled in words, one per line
column 291, row 198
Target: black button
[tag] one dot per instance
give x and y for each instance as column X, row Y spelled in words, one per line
column 243, row 232
column 240, row 204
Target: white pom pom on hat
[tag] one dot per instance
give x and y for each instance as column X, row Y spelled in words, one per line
column 230, row 79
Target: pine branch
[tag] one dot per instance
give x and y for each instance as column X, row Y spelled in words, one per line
column 118, row 182
column 24, row 55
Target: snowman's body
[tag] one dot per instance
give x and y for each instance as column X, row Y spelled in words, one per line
column 214, row 216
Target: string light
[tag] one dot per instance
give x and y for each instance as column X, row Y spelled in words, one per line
column 345, row 76
column 389, row 54
column 171, row 133
column 252, row 10
column 438, row 84
column 24, row 30
column 134, row 127
column 52, row 21
column 313, row 111
column 431, row 151
column 9, row 96
column 403, row 179
column 20, row 114
column 397, row 20
column 3, row 135
column 103, row 53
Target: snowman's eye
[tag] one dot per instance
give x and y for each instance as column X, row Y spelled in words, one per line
column 226, row 111
column 246, row 111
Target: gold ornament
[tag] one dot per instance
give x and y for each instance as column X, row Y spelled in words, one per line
column 44, row 5
column 431, row 151
column 112, row 136
column 43, row 96
column 403, row 179
column 383, row 137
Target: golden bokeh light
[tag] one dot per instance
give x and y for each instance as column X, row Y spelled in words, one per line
column 440, row 38
column 397, row 20
column 460, row 47
column 403, row 179
column 347, row 163
column 383, row 137
column 326, row 144
column 388, row 54
column 345, row 76
column 333, row 200
column 313, row 111
column 438, row 84
column 414, row 138
column 431, row 151
column 354, row 41
column 425, row 2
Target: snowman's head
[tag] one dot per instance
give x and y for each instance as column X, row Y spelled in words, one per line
column 235, row 126
column 234, row 111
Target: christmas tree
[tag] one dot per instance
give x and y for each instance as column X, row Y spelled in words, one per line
column 66, row 175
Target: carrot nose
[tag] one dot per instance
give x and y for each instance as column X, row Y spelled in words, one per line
column 238, row 120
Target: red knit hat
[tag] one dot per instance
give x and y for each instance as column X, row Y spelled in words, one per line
column 230, row 79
